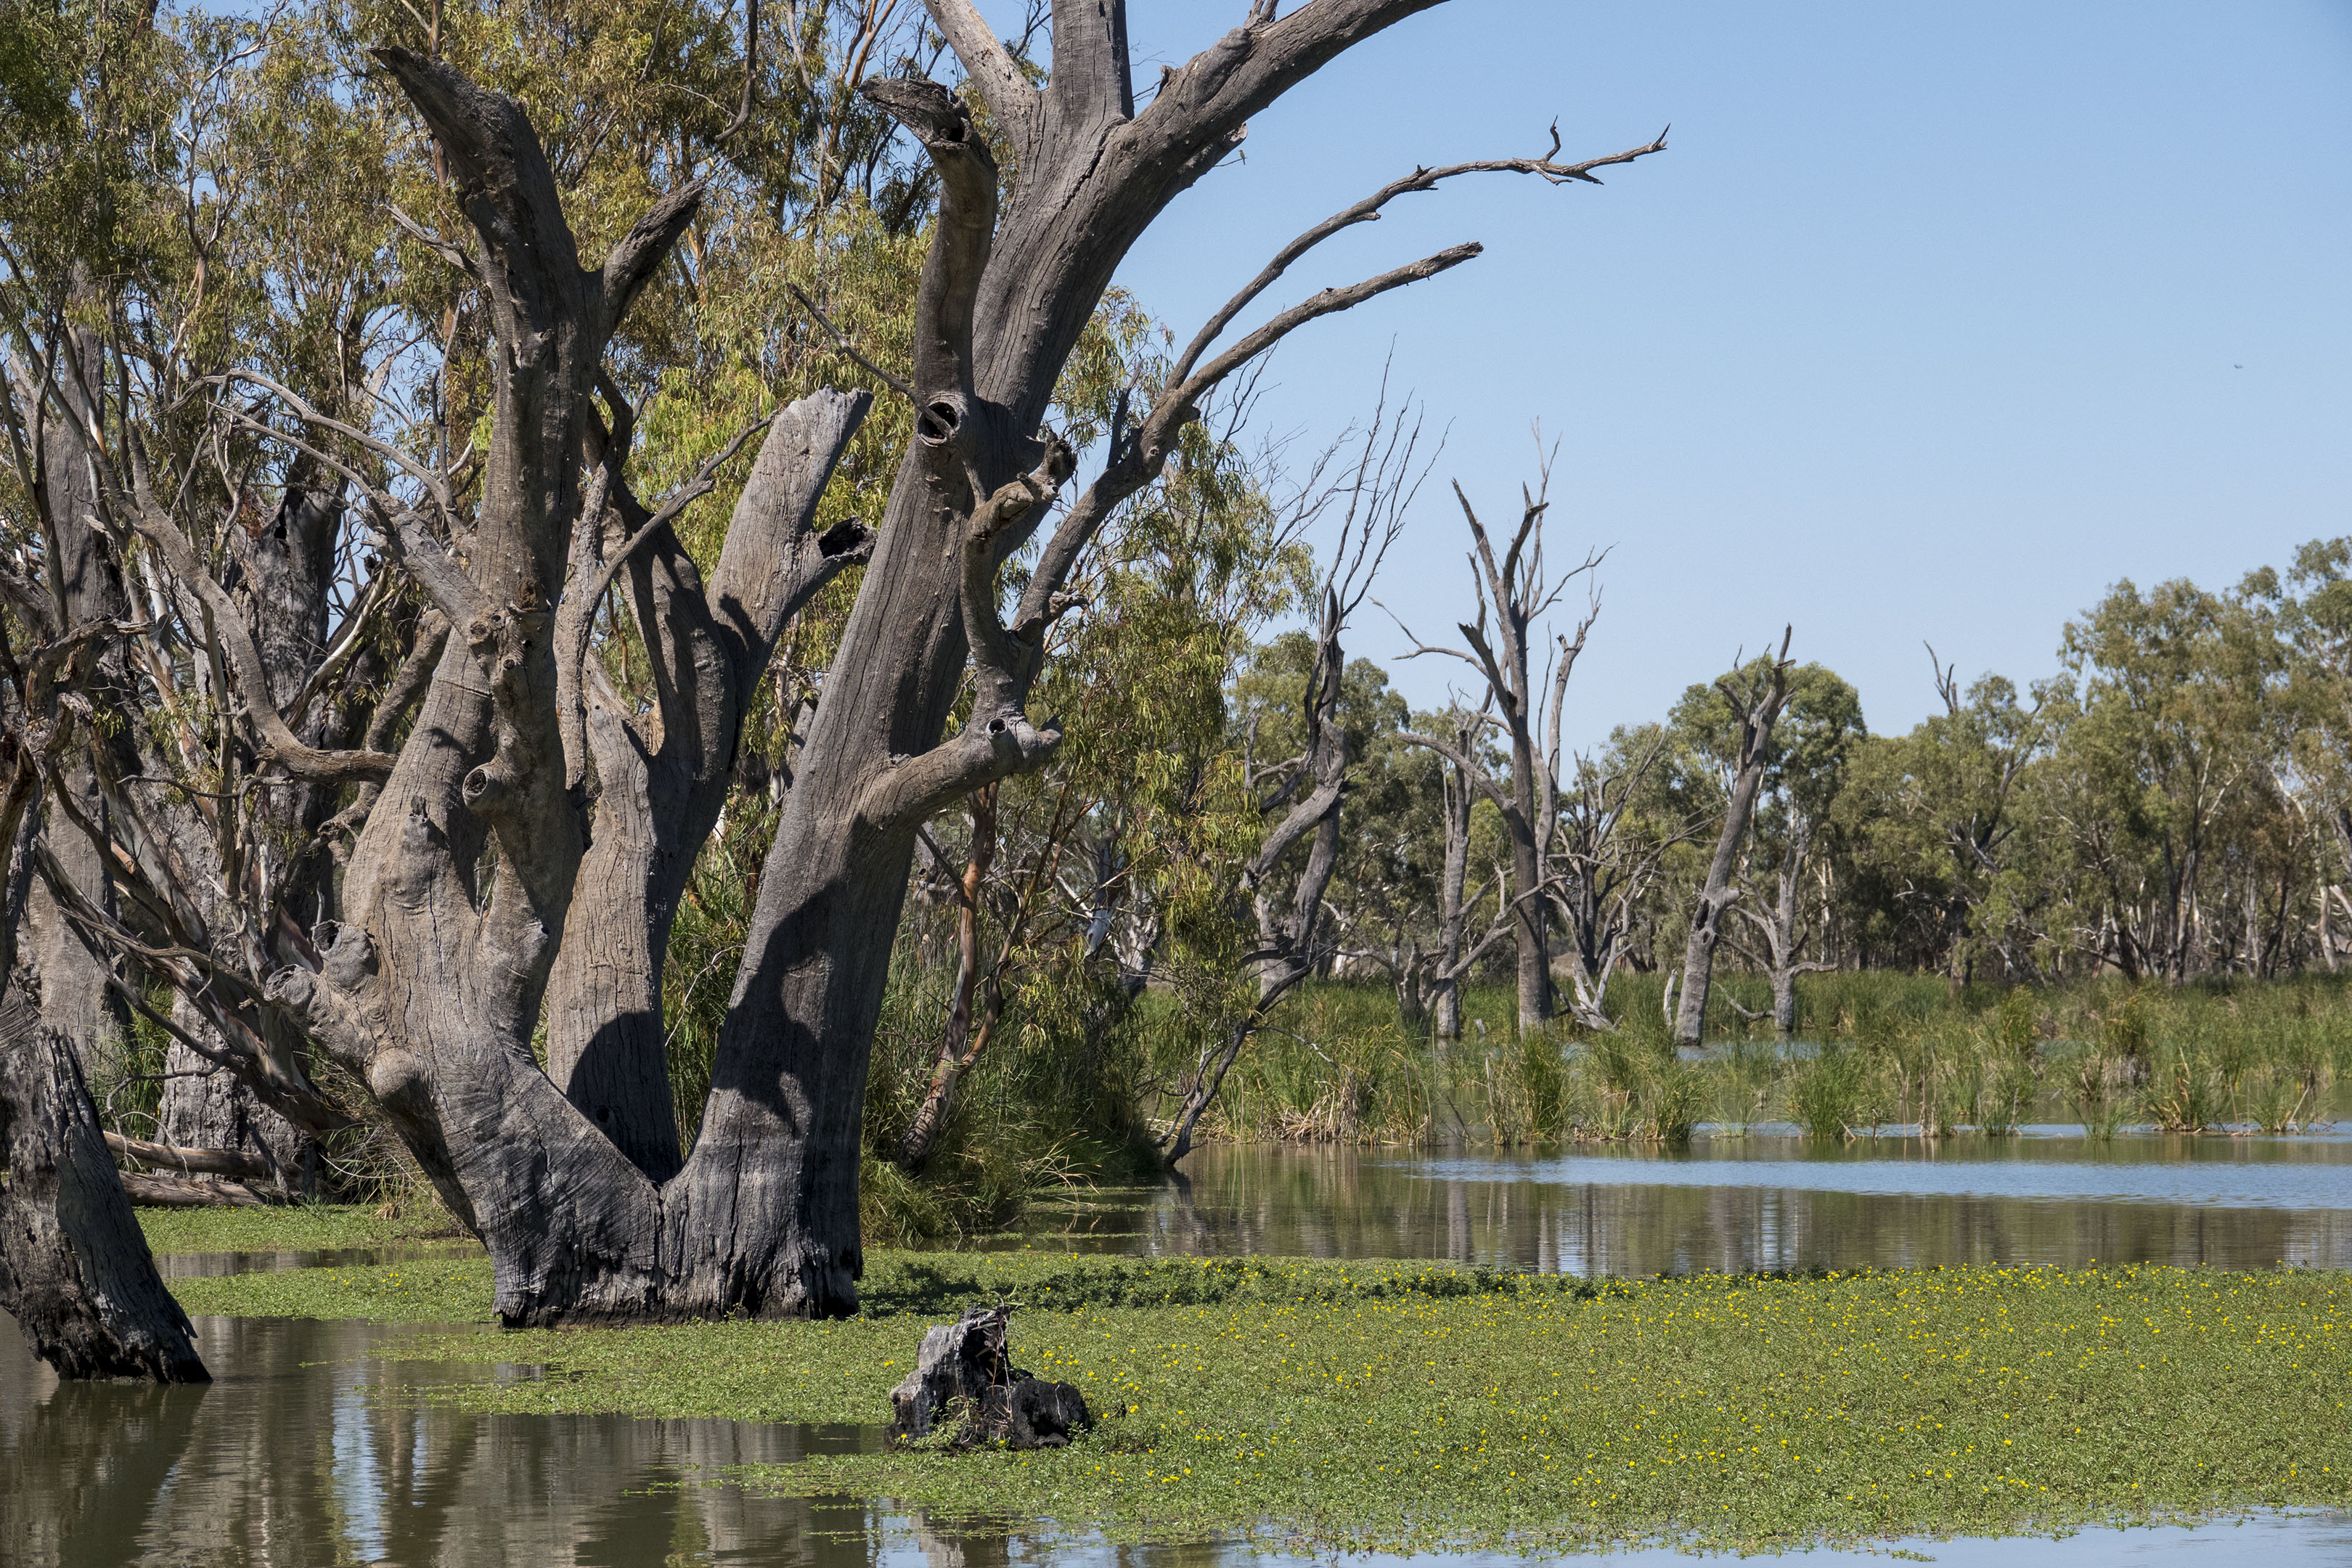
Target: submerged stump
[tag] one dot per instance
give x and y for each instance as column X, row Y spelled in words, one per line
column 964, row 1372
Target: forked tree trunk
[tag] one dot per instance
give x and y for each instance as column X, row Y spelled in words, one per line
column 74, row 1271
column 1520, row 593
column 1756, row 709
column 431, row 986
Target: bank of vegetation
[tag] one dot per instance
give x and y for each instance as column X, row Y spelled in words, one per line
column 1325, row 1406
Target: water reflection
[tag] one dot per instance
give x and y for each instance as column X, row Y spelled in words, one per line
column 316, row 1446
column 1753, row 1204
column 309, row 1449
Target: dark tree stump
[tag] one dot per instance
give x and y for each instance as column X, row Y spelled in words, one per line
column 965, row 1372
column 74, row 1269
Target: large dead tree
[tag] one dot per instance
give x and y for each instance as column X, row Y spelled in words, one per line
column 1518, row 591
column 1755, row 703
column 521, row 855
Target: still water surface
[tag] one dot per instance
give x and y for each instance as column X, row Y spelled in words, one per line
column 317, row 1446
column 1738, row 1204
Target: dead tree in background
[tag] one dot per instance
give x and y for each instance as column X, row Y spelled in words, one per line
column 1600, row 872
column 1302, row 796
column 1519, row 593
column 1782, row 929
column 1754, row 707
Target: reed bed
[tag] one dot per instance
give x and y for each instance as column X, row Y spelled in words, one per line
column 1873, row 1053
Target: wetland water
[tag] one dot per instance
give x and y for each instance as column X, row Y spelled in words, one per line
column 317, row 1446
column 1758, row 1202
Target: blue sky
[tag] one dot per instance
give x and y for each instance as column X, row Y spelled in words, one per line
column 1927, row 326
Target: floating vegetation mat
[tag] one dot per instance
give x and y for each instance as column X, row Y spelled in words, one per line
column 1406, row 1406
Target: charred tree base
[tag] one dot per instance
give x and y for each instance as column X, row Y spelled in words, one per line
column 74, row 1269
column 964, row 1372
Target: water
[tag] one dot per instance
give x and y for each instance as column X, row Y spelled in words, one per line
column 316, row 1445
column 1736, row 1205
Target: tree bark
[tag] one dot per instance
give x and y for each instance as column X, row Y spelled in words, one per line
column 479, row 870
column 1756, row 709
column 84, row 588
column 74, row 1271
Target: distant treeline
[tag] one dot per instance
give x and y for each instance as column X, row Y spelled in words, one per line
column 2175, row 803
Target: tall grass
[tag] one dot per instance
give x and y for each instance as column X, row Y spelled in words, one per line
column 1875, row 1053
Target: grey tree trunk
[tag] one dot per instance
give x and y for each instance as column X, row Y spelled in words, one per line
column 1756, row 707
column 85, row 586
column 447, row 953
column 74, row 1271
column 1446, row 1008
column 1520, row 593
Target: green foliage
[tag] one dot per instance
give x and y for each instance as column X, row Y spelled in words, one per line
column 1410, row 1408
column 299, row 1227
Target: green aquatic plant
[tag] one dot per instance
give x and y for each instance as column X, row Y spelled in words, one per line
column 1336, row 1407
column 1829, row 1095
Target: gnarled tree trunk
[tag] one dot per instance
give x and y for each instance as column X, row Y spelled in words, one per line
column 74, row 1271
column 447, row 954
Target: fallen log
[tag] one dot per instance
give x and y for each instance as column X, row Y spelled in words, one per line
column 179, row 1192
column 191, row 1161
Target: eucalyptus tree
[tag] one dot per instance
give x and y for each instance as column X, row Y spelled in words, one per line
column 1931, row 826
column 2170, row 730
column 518, row 853
column 1520, row 590
column 2311, row 604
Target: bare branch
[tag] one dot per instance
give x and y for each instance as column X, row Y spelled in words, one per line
column 988, row 65
column 1369, row 211
column 848, row 346
column 277, row 741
